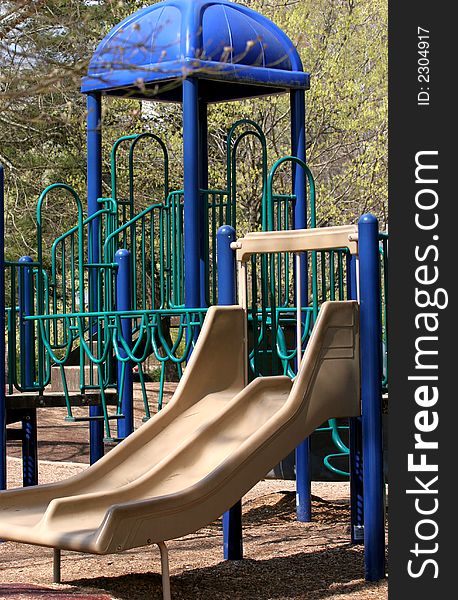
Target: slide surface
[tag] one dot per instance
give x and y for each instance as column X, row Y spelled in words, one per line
column 197, row 457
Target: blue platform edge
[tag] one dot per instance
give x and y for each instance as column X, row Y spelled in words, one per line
column 216, row 41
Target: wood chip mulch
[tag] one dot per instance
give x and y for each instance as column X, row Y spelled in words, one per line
column 283, row 559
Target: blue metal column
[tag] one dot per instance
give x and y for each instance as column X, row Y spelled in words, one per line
column 232, row 519
column 2, row 337
column 303, row 485
column 94, row 192
column 123, row 303
column 192, row 225
column 371, row 397
column 298, row 146
column 203, row 217
column 356, row 440
column 27, row 345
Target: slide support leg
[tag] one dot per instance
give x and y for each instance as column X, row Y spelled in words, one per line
column 165, row 571
column 56, row 577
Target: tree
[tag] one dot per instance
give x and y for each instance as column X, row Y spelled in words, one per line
column 45, row 46
column 343, row 44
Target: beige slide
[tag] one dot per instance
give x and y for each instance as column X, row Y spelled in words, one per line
column 198, row 456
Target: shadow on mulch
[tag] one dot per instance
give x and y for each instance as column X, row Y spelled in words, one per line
column 57, row 451
column 309, row 576
column 281, row 506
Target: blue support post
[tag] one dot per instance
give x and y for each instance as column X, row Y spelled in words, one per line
column 356, row 440
column 2, row 337
column 226, row 266
column 94, row 168
column 29, row 448
column 298, row 144
column 232, row 519
column 203, row 216
column 94, row 192
column 123, row 303
column 192, row 213
column 303, row 484
column 27, row 355
column 371, row 397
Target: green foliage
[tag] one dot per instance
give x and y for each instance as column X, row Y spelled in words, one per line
column 343, row 44
column 45, row 46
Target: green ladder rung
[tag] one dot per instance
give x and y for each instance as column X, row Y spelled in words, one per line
column 95, row 418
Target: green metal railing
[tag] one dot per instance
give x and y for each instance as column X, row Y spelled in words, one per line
column 67, row 332
column 126, row 205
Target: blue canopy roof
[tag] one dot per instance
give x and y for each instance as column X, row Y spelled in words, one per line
column 236, row 52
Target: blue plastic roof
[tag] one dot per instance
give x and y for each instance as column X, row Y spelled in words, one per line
column 235, row 51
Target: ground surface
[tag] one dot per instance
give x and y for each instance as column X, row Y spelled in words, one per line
column 284, row 559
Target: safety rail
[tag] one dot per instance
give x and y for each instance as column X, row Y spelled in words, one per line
column 22, row 344
column 126, row 205
column 167, row 334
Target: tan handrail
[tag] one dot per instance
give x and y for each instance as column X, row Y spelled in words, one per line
column 298, row 240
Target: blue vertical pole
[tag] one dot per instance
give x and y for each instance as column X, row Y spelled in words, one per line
column 226, row 266
column 356, row 440
column 232, row 519
column 192, row 225
column 94, row 192
column 123, row 303
column 2, row 337
column 371, row 398
column 203, row 217
column 27, row 344
column 298, row 143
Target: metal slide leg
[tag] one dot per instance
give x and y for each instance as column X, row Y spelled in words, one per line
column 56, row 566
column 165, row 571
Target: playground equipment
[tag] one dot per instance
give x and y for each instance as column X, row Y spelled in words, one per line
column 126, row 282
column 149, row 489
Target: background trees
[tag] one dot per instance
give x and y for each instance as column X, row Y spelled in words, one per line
column 44, row 49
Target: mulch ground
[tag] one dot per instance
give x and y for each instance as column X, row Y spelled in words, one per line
column 283, row 559
column 20, row 591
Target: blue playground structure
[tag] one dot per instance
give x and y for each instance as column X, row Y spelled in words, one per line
column 127, row 283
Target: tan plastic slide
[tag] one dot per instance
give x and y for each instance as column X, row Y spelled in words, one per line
column 204, row 451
